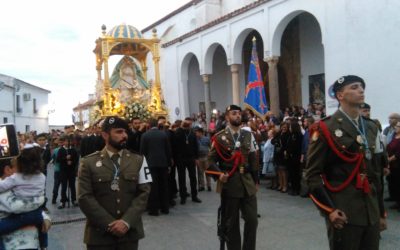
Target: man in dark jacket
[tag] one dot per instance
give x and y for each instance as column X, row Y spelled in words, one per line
column 134, row 135
column 155, row 146
column 68, row 159
column 186, row 146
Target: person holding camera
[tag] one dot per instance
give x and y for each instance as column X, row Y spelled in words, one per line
column 22, row 194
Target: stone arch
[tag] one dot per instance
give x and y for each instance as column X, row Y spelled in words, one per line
column 209, row 56
column 191, row 87
column 238, row 45
column 184, row 68
column 297, row 41
column 280, row 28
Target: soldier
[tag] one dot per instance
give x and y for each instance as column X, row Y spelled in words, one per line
column 112, row 191
column 365, row 110
column 234, row 150
column 342, row 172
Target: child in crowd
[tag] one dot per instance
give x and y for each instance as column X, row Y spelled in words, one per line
column 268, row 169
column 25, row 187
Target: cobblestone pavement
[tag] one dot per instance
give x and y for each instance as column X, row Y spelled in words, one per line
column 286, row 223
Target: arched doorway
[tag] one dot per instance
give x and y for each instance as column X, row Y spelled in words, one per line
column 246, row 55
column 301, row 64
column 195, row 88
column 220, row 80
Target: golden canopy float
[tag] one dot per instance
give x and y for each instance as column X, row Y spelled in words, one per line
column 128, row 92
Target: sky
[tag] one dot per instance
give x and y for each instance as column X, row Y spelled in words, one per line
column 49, row 43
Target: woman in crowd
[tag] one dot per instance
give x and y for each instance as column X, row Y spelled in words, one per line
column 294, row 154
column 393, row 149
column 280, row 141
column 212, row 126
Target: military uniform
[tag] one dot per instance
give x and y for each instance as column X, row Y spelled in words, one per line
column 238, row 193
column 102, row 205
column 360, row 199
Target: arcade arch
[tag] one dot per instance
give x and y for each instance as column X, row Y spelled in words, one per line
column 300, row 67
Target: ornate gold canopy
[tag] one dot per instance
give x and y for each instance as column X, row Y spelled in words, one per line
column 128, row 41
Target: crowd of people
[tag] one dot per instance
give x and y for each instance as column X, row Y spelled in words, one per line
column 282, row 140
column 173, row 150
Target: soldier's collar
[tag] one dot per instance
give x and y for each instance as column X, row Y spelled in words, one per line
column 231, row 130
column 112, row 153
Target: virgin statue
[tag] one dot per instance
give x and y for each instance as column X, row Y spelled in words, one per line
column 128, row 78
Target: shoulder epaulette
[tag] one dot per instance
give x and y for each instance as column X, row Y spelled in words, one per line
column 326, row 118
column 92, row 154
column 220, row 132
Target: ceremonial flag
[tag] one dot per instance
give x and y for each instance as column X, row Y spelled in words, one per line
column 255, row 95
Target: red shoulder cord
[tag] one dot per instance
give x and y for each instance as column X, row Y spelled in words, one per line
column 357, row 158
column 237, row 157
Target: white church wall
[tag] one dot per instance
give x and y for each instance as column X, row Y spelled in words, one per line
column 231, row 5
column 362, row 41
column 174, row 26
column 206, row 11
column 356, row 39
column 6, row 108
column 170, row 82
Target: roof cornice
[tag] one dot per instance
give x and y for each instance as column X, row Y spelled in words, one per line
column 215, row 22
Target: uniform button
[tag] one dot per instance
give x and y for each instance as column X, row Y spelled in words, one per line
column 118, row 200
column 118, row 212
column 99, row 179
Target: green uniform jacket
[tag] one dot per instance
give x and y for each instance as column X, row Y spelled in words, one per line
column 101, row 205
column 361, row 209
column 238, row 185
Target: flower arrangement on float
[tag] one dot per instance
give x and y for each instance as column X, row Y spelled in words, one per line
column 137, row 109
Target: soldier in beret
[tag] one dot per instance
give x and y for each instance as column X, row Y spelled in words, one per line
column 342, row 171
column 113, row 188
column 365, row 110
column 234, row 149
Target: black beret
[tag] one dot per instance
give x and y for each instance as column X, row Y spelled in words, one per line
column 365, row 106
column 233, row 107
column 346, row 80
column 114, row 122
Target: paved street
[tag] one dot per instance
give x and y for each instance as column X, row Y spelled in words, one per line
column 286, row 223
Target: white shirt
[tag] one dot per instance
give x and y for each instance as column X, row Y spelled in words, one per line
column 24, row 185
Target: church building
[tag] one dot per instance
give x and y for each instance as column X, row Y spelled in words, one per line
column 303, row 47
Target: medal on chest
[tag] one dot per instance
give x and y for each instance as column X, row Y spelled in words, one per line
column 368, row 154
column 187, row 138
column 360, row 139
column 115, row 184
